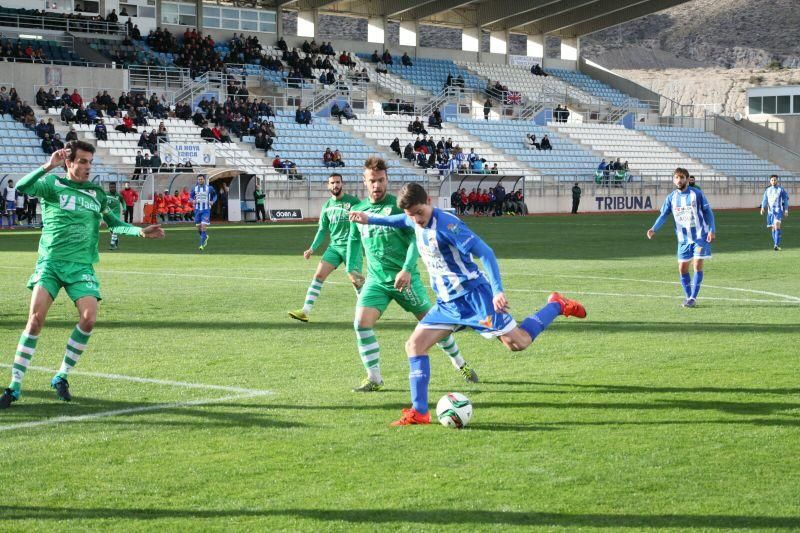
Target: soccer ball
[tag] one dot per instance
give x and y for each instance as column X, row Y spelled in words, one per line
column 454, row 410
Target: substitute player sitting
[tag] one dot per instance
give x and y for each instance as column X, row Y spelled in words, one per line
column 776, row 202
column 464, row 295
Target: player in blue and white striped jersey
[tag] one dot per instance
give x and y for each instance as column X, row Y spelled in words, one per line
column 203, row 196
column 776, row 202
column 694, row 227
column 465, row 296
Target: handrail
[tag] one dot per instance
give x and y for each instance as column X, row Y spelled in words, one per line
column 61, row 23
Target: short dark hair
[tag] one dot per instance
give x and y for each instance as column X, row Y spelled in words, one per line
column 74, row 146
column 375, row 163
column 774, row 176
column 410, row 195
column 681, row 172
column 336, row 174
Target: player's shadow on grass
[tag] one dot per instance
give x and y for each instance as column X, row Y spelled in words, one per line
column 611, row 326
column 220, row 414
column 444, row 516
column 591, row 388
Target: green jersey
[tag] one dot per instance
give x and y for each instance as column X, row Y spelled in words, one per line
column 389, row 250
column 115, row 203
column 259, row 196
column 71, row 215
column 334, row 221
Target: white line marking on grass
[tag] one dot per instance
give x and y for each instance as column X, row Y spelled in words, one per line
column 661, row 296
column 136, row 379
column 129, row 411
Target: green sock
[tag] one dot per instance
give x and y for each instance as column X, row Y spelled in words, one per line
column 22, row 360
column 448, row 344
column 75, row 347
column 312, row 294
column 370, row 353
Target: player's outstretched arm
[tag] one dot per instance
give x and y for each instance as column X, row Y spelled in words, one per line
column 395, row 221
column 152, row 232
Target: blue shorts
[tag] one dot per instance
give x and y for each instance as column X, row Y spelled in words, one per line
column 696, row 250
column 10, row 206
column 471, row 310
column 773, row 216
column 202, row 216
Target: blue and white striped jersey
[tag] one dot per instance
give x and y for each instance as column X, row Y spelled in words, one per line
column 694, row 219
column 203, row 196
column 776, row 199
column 445, row 246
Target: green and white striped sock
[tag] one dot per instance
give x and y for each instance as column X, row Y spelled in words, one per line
column 370, row 353
column 448, row 344
column 75, row 347
column 312, row 294
column 22, row 360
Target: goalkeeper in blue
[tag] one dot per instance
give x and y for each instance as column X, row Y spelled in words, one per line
column 465, row 296
column 776, row 204
column 694, row 228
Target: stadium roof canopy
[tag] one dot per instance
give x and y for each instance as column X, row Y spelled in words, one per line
column 563, row 18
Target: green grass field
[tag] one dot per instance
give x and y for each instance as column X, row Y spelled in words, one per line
column 200, row 405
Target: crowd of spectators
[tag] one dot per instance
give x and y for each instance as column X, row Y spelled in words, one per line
column 531, row 142
column 80, row 20
column 494, row 201
column 444, row 156
column 332, row 159
column 21, row 53
column 614, row 170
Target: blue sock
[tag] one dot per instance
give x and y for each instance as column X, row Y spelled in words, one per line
column 698, row 279
column 778, row 237
column 538, row 322
column 419, row 375
column 202, row 237
column 686, row 281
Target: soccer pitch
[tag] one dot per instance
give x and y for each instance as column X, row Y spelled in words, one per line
column 199, row 405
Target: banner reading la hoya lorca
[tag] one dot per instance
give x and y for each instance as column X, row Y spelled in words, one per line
column 623, row 203
column 201, row 153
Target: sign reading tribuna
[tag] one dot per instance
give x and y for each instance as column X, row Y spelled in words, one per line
column 623, row 203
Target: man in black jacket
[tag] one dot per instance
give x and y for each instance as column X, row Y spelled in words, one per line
column 576, row 198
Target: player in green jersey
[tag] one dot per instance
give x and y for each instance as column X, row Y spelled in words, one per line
column 391, row 275
column 115, row 203
column 334, row 221
column 72, row 209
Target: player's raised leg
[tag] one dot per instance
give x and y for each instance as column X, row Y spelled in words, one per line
column 26, row 347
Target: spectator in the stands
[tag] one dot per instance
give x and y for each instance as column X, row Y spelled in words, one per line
column 532, row 143
column 127, row 125
column 327, row 157
column 112, row 17
column 76, row 99
column 487, row 107
column 338, row 161
column 206, row 134
column 67, row 115
column 406, row 61
column 395, row 146
column 536, row 70
column 494, row 169
column 435, row 119
column 81, row 117
column 40, row 129
column 545, row 144
column 303, row 115
column 386, row 57
column 422, row 160
column 375, row 57
column 58, row 144
column 281, row 44
column 417, row 127
column 155, row 162
column 47, row 144
column 347, row 112
column 72, row 135
column 100, row 131
column 139, row 166
column 408, row 152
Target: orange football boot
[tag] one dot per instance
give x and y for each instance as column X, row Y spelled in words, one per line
column 568, row 307
column 411, row 417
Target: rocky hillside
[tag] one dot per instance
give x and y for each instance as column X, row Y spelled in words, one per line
column 710, row 33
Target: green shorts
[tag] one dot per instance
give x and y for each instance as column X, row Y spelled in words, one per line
column 334, row 256
column 377, row 295
column 78, row 279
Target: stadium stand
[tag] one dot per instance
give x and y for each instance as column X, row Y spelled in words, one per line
column 567, row 161
column 647, row 157
column 725, row 157
column 595, row 87
column 431, row 74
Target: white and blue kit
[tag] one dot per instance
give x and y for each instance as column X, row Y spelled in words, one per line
column 463, row 292
column 10, row 195
column 694, row 220
column 202, row 197
column 776, row 202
